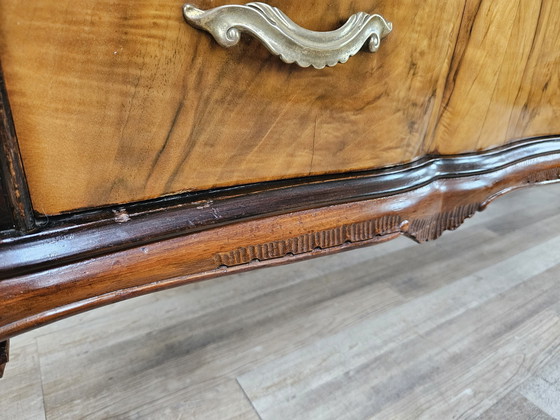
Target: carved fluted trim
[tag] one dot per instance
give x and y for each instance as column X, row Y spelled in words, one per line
column 314, row 241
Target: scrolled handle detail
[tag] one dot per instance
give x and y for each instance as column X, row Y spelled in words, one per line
column 282, row 37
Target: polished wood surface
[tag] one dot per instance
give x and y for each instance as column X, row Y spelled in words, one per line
column 124, row 101
column 45, row 292
column 466, row 327
column 63, row 239
column 504, row 81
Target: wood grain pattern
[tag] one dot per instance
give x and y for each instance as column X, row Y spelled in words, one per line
column 127, row 102
column 148, row 119
column 124, row 101
column 504, row 81
column 47, row 294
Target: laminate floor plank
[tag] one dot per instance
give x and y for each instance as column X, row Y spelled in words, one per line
column 462, row 327
column 219, row 344
column 274, row 388
column 543, row 389
column 474, row 250
column 514, row 406
column 543, row 394
column 21, row 394
column 494, row 348
column 219, row 399
column 518, row 209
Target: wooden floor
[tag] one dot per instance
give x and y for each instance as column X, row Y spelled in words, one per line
column 464, row 327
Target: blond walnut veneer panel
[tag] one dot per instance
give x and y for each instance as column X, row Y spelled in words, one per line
column 120, row 101
column 123, row 101
column 504, row 82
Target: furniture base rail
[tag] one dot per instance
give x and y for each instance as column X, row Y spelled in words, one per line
column 438, row 202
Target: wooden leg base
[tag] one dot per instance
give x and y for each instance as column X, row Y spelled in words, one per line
column 4, row 355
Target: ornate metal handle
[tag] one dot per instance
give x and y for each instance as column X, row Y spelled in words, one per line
column 286, row 39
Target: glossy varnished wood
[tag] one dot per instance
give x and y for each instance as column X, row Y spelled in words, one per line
column 72, row 238
column 128, row 102
column 121, row 101
column 165, row 110
column 45, row 294
column 504, row 80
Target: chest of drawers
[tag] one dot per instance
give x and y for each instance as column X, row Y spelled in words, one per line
column 139, row 154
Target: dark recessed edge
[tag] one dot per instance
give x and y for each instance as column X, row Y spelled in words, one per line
column 16, row 210
column 6, row 217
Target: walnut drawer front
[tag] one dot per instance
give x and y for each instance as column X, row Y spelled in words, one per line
column 123, row 101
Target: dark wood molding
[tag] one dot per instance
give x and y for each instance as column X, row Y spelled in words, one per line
column 6, row 217
column 215, row 243
column 12, row 176
column 69, row 238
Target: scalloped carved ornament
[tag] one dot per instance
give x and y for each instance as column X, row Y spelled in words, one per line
column 284, row 38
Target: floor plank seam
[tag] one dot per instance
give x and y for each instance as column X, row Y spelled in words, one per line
column 41, row 377
column 248, row 399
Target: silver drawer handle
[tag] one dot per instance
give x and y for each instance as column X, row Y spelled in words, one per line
column 286, row 39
